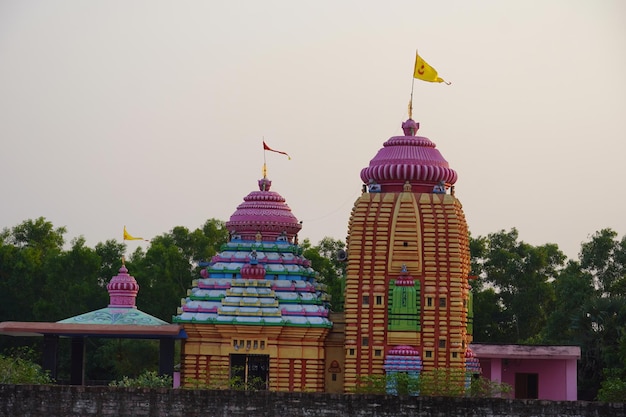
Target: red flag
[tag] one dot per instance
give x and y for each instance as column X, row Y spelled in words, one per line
column 267, row 148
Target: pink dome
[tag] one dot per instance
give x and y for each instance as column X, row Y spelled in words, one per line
column 263, row 214
column 408, row 158
column 405, row 279
column 122, row 289
column 404, row 350
column 249, row 271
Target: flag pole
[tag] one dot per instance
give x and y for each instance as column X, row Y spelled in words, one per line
column 411, row 101
column 264, row 163
column 412, row 85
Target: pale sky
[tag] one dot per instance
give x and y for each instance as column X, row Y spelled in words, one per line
column 151, row 114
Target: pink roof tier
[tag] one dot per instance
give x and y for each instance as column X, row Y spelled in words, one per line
column 411, row 159
column 263, row 213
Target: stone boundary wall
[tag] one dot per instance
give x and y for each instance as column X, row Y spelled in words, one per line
column 69, row 401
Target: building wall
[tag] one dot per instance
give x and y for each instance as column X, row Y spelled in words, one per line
column 335, row 354
column 556, row 377
column 296, row 354
column 57, row 400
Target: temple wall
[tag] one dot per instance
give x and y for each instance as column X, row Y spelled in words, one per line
column 427, row 233
column 57, row 401
column 296, row 355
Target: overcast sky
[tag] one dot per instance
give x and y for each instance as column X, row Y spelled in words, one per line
column 151, row 114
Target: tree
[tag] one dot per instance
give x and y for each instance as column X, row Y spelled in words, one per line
column 573, row 289
column 165, row 271
column 25, row 251
column 604, row 257
column 110, row 253
column 520, row 276
column 332, row 271
column 590, row 312
column 71, row 282
column 18, row 370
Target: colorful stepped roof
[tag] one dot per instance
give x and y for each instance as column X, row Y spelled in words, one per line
column 260, row 276
column 411, row 159
column 472, row 364
column 403, row 358
column 123, row 290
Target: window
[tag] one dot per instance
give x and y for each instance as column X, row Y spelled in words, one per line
column 365, row 341
column 455, row 355
column 442, row 343
column 377, row 352
column 442, row 302
column 428, row 354
column 351, row 352
column 334, row 377
column 366, row 300
column 429, row 301
column 379, row 300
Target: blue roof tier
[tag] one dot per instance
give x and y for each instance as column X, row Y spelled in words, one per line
column 118, row 316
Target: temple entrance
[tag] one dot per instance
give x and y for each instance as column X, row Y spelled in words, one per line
column 249, row 372
column 526, row 386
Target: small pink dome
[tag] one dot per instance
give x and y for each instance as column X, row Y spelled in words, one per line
column 249, row 271
column 469, row 353
column 404, row 350
column 122, row 289
column 263, row 214
column 405, row 280
column 411, row 159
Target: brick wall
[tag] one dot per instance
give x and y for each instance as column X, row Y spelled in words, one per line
column 66, row 401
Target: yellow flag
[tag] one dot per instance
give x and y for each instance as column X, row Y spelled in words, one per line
column 425, row 72
column 127, row 236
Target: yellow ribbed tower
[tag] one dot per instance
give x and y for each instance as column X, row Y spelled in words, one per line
column 407, row 292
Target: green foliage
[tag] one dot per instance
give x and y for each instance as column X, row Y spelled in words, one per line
column 371, row 384
column 332, row 271
column 485, row 388
column 590, row 310
column 148, row 379
column 123, row 357
column 442, row 382
column 604, row 257
column 165, row 271
column 239, row 382
column 517, row 277
column 613, row 387
column 19, row 368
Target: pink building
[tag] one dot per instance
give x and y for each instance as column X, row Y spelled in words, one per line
column 535, row 372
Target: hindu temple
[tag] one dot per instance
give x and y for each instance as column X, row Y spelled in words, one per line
column 407, row 306
column 257, row 313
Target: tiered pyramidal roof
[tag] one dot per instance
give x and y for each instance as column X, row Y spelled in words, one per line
column 260, row 276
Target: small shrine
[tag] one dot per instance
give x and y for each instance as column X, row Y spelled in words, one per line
column 120, row 319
